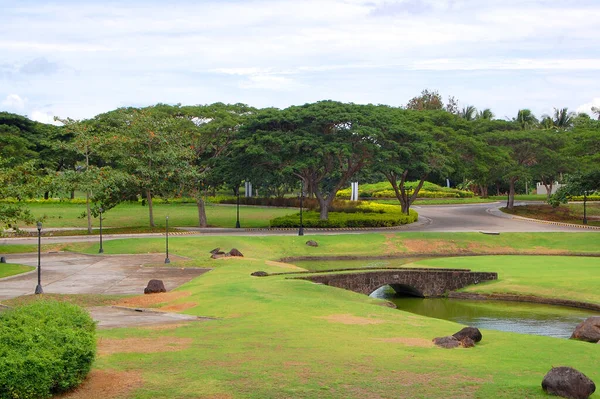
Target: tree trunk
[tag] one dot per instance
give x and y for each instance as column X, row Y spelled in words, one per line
column 150, row 212
column 323, row 205
column 72, row 194
column 89, row 213
column 46, row 195
column 511, row 193
column 497, row 188
column 201, row 212
column 483, row 191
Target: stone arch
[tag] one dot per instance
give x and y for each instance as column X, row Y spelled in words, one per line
column 406, row 289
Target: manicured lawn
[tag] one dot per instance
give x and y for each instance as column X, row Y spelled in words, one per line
column 567, row 213
column 11, row 269
column 136, row 215
column 438, row 201
column 275, row 337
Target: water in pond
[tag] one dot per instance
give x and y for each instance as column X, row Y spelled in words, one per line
column 525, row 318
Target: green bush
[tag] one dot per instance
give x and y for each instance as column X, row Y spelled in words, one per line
column 343, row 219
column 46, row 347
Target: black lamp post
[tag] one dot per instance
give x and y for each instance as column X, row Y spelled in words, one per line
column 584, row 207
column 38, row 289
column 167, row 260
column 237, row 223
column 101, row 250
column 301, row 231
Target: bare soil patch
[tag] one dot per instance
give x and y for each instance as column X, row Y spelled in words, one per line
column 142, row 345
column 350, row 319
column 283, row 265
column 178, row 307
column 432, row 246
column 152, row 299
column 106, row 384
column 421, row 342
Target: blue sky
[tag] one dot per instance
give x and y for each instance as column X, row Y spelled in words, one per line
column 81, row 58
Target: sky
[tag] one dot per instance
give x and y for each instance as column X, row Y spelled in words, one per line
column 78, row 58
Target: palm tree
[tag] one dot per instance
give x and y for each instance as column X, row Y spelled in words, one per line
column 596, row 110
column 526, row 119
column 486, row 114
column 468, row 113
column 563, row 119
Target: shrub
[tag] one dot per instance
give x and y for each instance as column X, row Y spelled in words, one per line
column 46, row 347
column 343, row 219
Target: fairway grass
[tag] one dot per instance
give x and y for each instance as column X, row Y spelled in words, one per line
column 274, row 337
column 133, row 215
column 12, row 269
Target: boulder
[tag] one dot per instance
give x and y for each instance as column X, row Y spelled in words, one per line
column 155, row 286
column 2, row 259
column 568, row 383
column 467, row 342
column 260, row 274
column 312, row 243
column 219, row 255
column 470, row 332
column 215, row 251
column 588, row 330
column 446, row 342
column 235, row 252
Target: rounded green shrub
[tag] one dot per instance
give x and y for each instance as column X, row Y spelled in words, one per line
column 46, row 347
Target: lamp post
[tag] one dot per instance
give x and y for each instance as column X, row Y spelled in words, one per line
column 237, row 223
column 301, row 231
column 585, row 221
column 38, row 289
column 101, row 250
column 167, row 260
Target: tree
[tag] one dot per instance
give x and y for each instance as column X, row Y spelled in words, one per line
column 485, row 114
column 324, row 144
column 20, row 181
column 563, row 119
column 526, row 119
column 428, row 100
column 468, row 113
column 596, row 110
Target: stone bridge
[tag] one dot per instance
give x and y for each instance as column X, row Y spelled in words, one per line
column 415, row 282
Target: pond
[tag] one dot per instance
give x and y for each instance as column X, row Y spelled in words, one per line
column 519, row 317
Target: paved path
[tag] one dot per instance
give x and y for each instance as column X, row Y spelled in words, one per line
column 69, row 273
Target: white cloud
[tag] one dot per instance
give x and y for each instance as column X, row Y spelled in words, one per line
column 14, row 102
column 587, row 107
column 43, row 117
column 269, row 82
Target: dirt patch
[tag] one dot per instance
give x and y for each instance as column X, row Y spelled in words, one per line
column 178, row 307
column 142, row 345
column 283, row 265
column 143, row 301
column 432, row 246
column 424, row 343
column 350, row 319
column 106, row 384
column 163, row 327
column 391, row 244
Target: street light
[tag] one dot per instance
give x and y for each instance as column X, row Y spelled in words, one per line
column 38, row 289
column 301, row 231
column 584, row 207
column 237, row 223
column 101, row 251
column 167, row 260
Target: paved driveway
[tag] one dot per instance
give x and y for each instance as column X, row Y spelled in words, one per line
column 70, row 273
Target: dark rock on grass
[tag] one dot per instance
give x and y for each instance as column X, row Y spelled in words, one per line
column 2, row 259
column 215, row 251
column 235, row 252
column 470, row 332
column 446, row 342
column 219, row 255
column 588, row 330
column 312, row 243
column 568, row 383
column 467, row 342
column 155, row 286
column 260, row 274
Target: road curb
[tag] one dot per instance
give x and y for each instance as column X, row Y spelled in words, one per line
column 581, row 226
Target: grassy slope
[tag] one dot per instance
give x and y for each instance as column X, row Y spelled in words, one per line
column 135, row 215
column 11, row 269
column 272, row 338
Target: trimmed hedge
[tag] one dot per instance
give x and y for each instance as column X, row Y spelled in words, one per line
column 342, row 219
column 46, row 347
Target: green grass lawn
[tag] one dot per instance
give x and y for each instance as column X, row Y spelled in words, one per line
column 567, row 213
column 12, row 269
column 438, row 201
column 135, row 215
column 279, row 338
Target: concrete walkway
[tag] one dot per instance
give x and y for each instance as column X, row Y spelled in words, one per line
column 70, row 273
